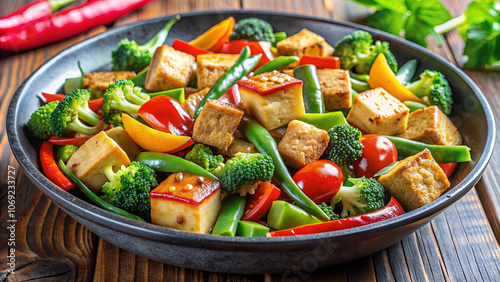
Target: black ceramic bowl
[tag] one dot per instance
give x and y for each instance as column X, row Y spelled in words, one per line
column 472, row 115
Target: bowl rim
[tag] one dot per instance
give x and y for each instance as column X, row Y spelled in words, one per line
column 98, row 216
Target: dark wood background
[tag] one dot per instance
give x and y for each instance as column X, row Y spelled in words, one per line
column 461, row 244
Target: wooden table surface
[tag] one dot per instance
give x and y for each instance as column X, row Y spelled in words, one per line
column 461, row 244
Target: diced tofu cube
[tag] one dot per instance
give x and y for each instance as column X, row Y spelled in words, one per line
column 273, row 98
column 415, row 181
column 238, row 146
column 193, row 100
column 169, row 69
column 212, row 66
column 336, row 88
column 432, row 126
column 187, row 202
column 121, row 137
column 305, row 42
column 102, row 80
column 376, row 111
column 216, row 124
column 302, row 144
column 88, row 161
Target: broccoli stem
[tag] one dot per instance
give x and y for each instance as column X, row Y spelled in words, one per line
column 108, row 171
column 160, row 37
column 350, row 200
column 78, row 126
column 86, row 114
column 129, row 108
column 135, row 99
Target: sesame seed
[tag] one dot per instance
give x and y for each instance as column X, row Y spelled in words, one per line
column 273, row 78
column 179, row 176
column 171, row 188
column 200, row 179
column 280, row 80
column 264, row 79
column 188, row 187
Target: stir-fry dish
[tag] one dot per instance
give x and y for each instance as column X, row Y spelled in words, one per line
column 245, row 131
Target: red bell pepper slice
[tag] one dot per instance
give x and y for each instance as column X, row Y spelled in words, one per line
column 183, row 46
column 50, row 168
column 166, row 114
column 448, row 168
column 256, row 47
column 392, row 209
column 320, row 62
column 61, row 141
column 231, row 96
column 95, row 105
column 260, row 202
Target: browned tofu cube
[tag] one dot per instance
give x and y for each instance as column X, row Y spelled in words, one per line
column 216, row 123
column 212, row 66
column 302, row 144
column 415, row 181
column 238, row 146
column 88, row 161
column 187, row 202
column 273, row 98
column 169, row 69
column 98, row 82
column 193, row 100
column 376, row 111
column 305, row 42
column 336, row 88
column 432, row 126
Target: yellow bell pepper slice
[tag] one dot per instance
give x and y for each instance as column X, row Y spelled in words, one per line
column 381, row 75
column 217, row 35
column 153, row 140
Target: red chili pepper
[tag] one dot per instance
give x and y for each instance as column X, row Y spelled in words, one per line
column 320, row 62
column 448, row 168
column 95, row 105
column 50, row 168
column 392, row 209
column 183, row 46
column 166, row 114
column 67, row 23
column 61, row 141
column 256, row 47
column 30, row 13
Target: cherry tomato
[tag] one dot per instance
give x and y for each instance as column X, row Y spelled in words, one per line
column 260, row 202
column 448, row 168
column 378, row 152
column 319, row 180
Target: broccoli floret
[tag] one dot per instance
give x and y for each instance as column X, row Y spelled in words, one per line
column 129, row 188
column 122, row 96
column 66, row 116
column 358, row 51
column 244, row 169
column 65, row 152
column 130, row 56
column 366, row 195
column 252, row 29
column 328, row 210
column 39, row 123
column 344, row 147
column 203, row 156
column 433, row 88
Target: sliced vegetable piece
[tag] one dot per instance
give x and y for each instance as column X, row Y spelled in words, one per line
column 320, row 62
column 72, row 83
column 229, row 216
column 413, row 106
column 391, row 210
column 283, row 215
column 94, row 198
column 381, row 75
column 185, row 47
column 406, row 72
column 311, row 89
column 50, row 169
column 276, row 64
column 440, row 153
column 217, row 35
column 170, row 163
column 251, row 229
column 166, row 114
column 325, row 121
column 260, row 202
column 448, row 168
column 153, row 140
column 177, row 94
